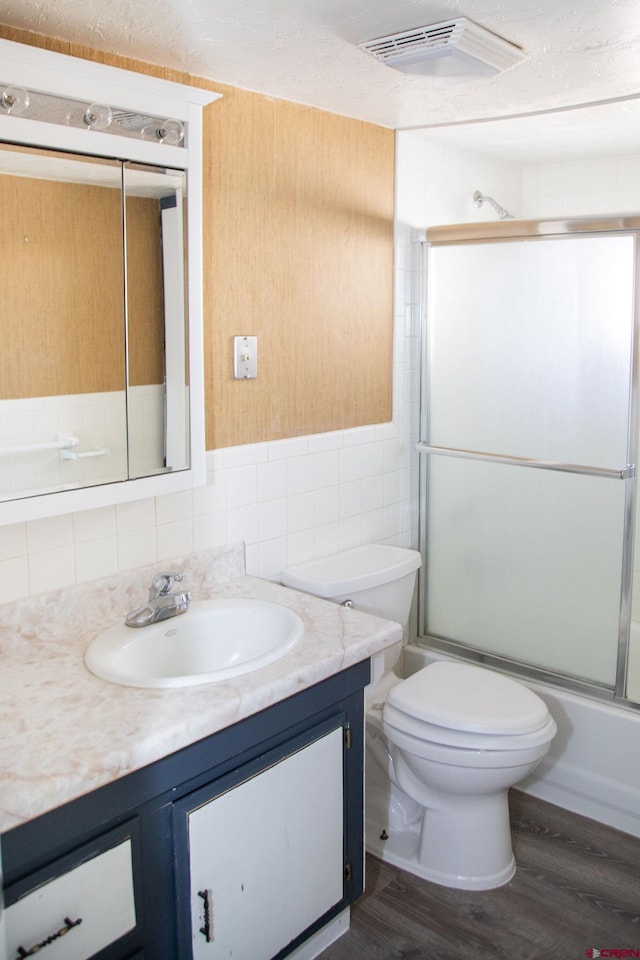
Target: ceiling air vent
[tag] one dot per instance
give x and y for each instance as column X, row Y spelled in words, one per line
column 451, row 48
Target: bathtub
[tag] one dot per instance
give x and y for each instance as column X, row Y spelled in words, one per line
column 593, row 765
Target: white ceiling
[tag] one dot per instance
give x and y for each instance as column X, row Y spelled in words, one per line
column 306, row 51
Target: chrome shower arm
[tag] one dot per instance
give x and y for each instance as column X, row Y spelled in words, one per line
column 479, row 198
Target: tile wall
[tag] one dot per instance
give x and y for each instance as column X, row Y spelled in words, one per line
column 582, row 187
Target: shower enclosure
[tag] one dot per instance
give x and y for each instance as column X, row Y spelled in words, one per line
column 529, row 440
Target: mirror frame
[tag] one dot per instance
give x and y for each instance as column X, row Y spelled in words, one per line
column 60, row 75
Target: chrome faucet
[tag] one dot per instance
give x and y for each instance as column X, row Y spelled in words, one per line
column 163, row 602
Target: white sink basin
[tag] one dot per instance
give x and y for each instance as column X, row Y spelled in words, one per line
column 213, row 640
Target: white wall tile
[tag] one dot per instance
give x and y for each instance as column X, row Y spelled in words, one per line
column 300, row 474
column 300, row 512
column 326, row 467
column 272, row 558
column 209, row 531
column 51, row 569
column 174, row 506
column 96, row 558
column 326, row 505
column 136, row 548
column 137, row 515
column 373, row 459
column 209, row 499
column 242, row 524
column 242, row 486
column 283, row 449
column 372, row 526
column 350, row 499
column 251, row 453
column 350, row 464
column 373, row 493
column 272, row 519
column 49, row 533
column 326, row 441
column 94, row 524
column 13, row 541
column 14, row 579
column 327, row 539
column 350, row 532
column 174, row 539
column 300, row 546
column 272, row 480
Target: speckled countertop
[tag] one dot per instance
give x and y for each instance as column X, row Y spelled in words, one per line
column 66, row 732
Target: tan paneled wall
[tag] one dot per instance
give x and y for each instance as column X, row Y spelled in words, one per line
column 298, row 248
column 62, row 309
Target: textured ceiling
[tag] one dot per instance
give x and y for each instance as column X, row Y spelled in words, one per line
column 306, row 50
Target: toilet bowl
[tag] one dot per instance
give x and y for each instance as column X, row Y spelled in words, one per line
column 459, row 737
column 443, row 746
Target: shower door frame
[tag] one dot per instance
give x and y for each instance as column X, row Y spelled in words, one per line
column 537, row 230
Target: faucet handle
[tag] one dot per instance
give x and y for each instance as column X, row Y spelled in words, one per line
column 162, row 584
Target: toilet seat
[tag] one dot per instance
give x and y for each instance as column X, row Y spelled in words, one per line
column 464, row 706
column 430, row 733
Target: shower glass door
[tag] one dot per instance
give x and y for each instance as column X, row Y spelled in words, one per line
column 527, row 418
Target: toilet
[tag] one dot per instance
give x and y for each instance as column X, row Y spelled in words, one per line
column 443, row 746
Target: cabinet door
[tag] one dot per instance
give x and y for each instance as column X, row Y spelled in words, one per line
column 79, row 912
column 266, row 857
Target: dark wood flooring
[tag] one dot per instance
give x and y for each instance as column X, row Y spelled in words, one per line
column 576, row 888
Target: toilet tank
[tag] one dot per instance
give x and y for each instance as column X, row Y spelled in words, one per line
column 376, row 578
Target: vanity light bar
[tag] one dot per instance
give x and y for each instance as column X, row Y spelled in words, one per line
column 33, row 105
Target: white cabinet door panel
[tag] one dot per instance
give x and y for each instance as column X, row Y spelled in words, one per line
column 98, row 892
column 268, row 855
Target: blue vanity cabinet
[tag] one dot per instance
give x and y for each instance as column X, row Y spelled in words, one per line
column 253, row 835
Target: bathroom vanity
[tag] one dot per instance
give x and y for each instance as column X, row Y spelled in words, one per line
column 241, row 845
column 221, row 820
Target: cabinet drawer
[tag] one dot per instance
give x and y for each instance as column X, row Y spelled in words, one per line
column 79, row 912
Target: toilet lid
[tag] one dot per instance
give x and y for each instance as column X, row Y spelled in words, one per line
column 464, row 697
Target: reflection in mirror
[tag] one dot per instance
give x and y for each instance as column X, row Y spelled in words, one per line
column 158, row 403
column 83, row 319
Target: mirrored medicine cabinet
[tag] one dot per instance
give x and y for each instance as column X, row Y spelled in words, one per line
column 101, row 396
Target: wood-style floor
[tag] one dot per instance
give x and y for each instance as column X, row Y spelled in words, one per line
column 576, row 888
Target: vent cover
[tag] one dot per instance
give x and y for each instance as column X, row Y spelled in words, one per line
column 453, row 47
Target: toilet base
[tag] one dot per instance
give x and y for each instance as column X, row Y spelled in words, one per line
column 401, row 850
column 471, row 850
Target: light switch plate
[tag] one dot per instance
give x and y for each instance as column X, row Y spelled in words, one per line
column 245, row 358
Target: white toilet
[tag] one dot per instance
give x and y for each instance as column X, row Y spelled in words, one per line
column 443, row 746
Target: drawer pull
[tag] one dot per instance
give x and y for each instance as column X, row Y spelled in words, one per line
column 68, row 925
column 207, row 929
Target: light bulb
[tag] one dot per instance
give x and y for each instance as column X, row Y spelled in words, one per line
column 14, row 100
column 98, row 116
column 171, row 132
column 164, row 131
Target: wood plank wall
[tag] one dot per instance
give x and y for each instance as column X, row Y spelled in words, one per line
column 298, row 250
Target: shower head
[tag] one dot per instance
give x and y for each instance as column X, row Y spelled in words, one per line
column 479, row 199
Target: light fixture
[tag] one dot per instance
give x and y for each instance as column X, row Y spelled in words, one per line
column 452, row 48
column 84, row 115
column 14, row 100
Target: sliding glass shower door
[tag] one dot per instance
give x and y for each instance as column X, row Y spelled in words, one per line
column 527, row 419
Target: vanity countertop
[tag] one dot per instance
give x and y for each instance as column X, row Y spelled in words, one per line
column 67, row 732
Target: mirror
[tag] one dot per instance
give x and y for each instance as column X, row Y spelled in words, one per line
column 94, row 370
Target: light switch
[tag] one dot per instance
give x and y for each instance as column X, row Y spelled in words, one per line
column 245, row 358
